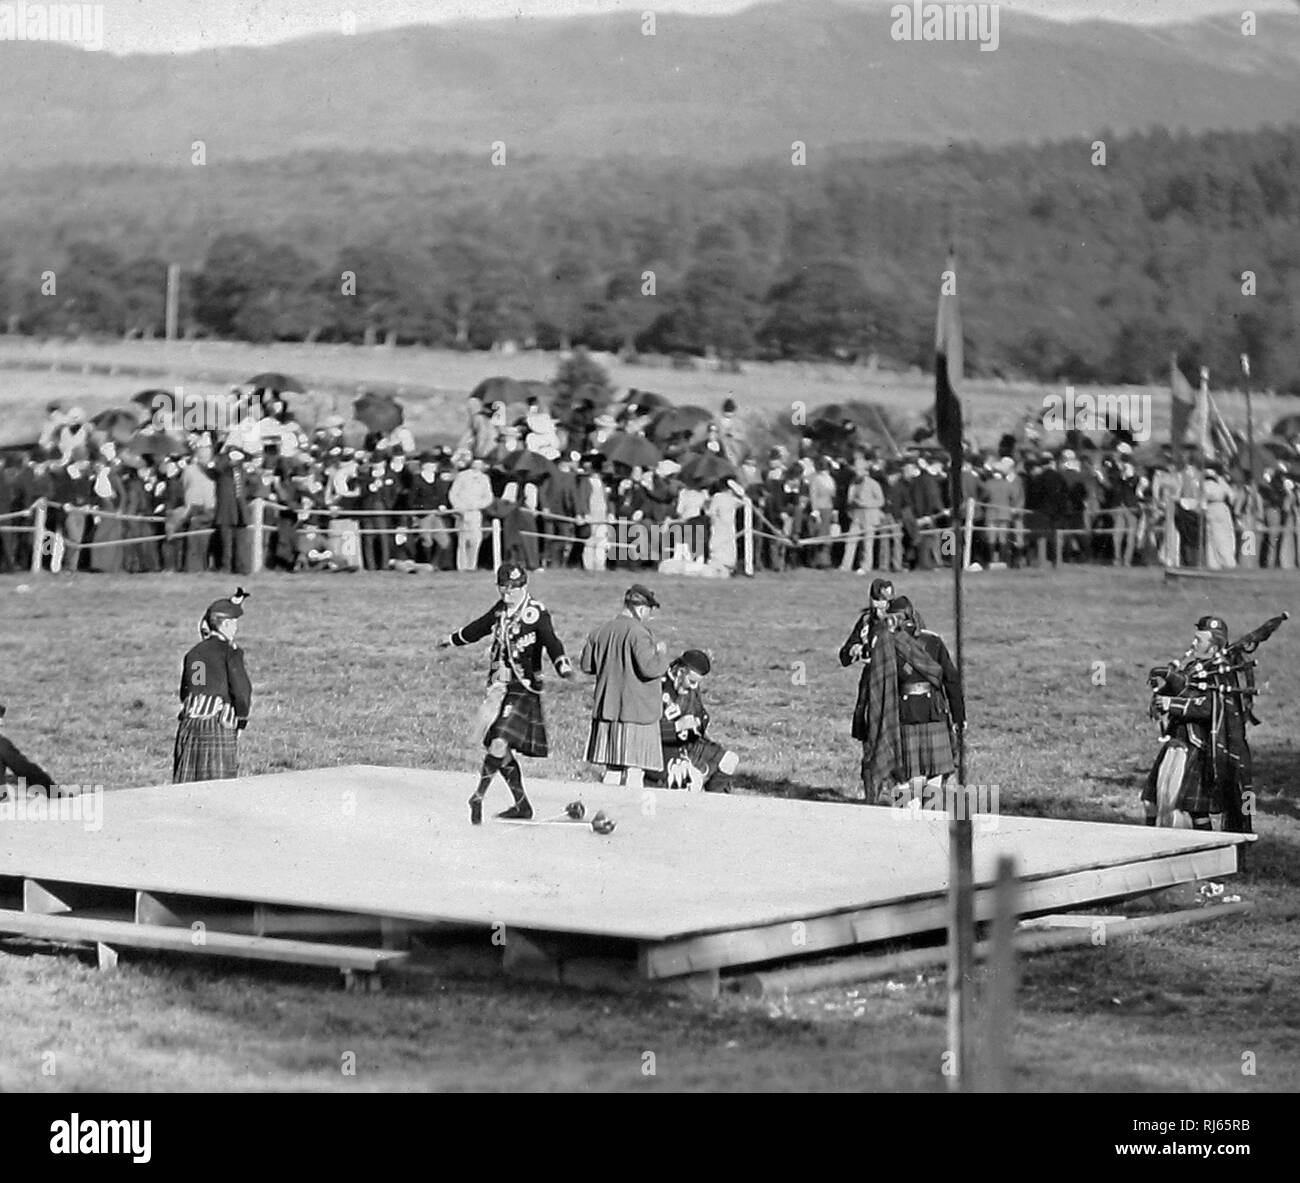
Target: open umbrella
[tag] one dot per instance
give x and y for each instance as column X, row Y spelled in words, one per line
column 158, row 443
column 275, row 382
column 379, row 412
column 647, row 400
column 633, row 451
column 500, row 390
column 526, row 464
column 826, row 423
column 702, row 469
column 1266, row 455
column 677, row 423
column 188, row 412
column 117, row 423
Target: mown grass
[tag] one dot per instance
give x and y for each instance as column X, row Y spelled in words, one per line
column 345, row 672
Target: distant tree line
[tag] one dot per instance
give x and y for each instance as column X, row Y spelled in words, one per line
column 1069, row 268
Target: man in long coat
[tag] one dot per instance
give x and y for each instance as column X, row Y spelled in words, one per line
column 875, row 728
column 628, row 664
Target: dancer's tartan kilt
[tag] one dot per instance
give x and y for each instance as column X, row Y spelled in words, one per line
column 520, row 723
column 927, row 749
column 206, row 749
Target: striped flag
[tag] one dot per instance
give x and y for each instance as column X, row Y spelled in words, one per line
column 1182, row 406
column 1206, row 429
column 948, row 364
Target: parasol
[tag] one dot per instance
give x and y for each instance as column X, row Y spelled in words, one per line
column 379, row 412
column 275, row 382
column 703, row 469
column 633, row 451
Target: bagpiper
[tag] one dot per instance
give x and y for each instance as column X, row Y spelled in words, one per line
column 216, row 697
column 510, row 721
column 1204, row 702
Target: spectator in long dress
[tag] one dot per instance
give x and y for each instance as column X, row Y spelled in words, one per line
column 470, row 495
column 591, row 506
column 1248, row 510
column 723, row 506
column 1220, row 534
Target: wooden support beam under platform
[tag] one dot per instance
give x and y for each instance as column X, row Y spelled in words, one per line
column 688, row 885
column 115, row 934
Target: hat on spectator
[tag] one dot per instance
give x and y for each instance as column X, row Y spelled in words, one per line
column 696, row 660
column 638, row 593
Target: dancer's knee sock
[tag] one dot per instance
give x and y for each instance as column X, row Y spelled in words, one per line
column 514, row 778
column 491, row 766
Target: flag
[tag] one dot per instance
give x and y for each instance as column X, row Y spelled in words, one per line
column 1198, row 427
column 1223, row 443
column 1182, row 405
column 948, row 365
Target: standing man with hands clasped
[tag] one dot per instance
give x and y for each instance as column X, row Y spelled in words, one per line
column 628, row 664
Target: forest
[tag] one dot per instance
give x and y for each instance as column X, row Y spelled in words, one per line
column 1087, row 261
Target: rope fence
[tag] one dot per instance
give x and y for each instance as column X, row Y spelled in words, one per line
column 443, row 528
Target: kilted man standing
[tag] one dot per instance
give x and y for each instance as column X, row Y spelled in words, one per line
column 930, row 702
column 1204, row 703
column 628, row 663
column 875, row 716
column 510, row 720
column 216, row 696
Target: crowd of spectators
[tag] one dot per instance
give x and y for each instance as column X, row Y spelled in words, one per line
column 619, row 486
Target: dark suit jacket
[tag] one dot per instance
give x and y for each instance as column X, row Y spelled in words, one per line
column 232, row 506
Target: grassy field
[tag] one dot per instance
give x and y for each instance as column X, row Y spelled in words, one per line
column 345, row 672
column 433, row 383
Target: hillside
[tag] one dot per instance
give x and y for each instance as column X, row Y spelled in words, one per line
column 707, row 88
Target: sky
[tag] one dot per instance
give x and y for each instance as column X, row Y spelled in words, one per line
column 161, row 26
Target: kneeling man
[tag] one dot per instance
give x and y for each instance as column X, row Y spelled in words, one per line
column 691, row 760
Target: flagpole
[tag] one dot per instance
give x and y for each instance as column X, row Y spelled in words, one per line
column 1205, row 445
column 1250, row 421
column 961, row 913
column 961, row 925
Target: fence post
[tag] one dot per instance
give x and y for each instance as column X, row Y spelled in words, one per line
column 259, row 539
column 1173, row 544
column 1001, row 979
column 496, row 543
column 1056, row 557
column 969, row 530
column 749, row 536
column 38, row 534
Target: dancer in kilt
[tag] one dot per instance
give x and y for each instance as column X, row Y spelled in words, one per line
column 510, row 720
column 215, row 698
column 930, row 702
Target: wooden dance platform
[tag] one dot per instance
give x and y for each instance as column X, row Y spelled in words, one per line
column 365, row 868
